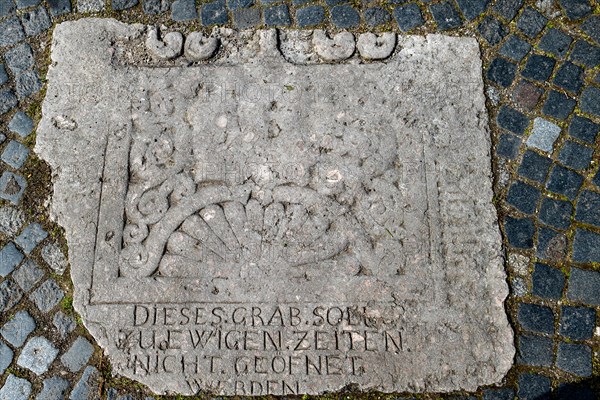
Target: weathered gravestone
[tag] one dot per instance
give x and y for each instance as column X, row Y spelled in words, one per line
column 259, row 223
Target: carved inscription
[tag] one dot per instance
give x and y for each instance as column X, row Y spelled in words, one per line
column 268, row 349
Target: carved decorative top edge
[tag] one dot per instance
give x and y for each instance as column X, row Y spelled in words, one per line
column 226, row 46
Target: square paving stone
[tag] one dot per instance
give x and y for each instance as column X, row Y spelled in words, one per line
column 214, row 13
column 589, row 102
column 344, row 16
column 502, row 72
column 547, row 282
column 19, row 58
column 534, row 387
column 584, row 285
column 12, row 187
column 48, row 295
column 512, row 120
column 21, row 124
column 508, row 146
column 575, row 155
column 31, row 236
column 15, row 388
column 445, row 15
column 10, row 294
column 55, row 388
column 556, row 213
column 588, row 208
column 576, row 9
column 520, row 232
column 531, row 22
column 492, row 30
column 408, row 16
column 27, row 83
column 591, row 26
column 536, row 318
column 527, row 95
column 27, row 275
column 35, row 21
column 8, row 100
column 507, row 8
column 523, row 197
column 6, row 357
column 310, row 16
column 585, row 53
column 577, row 323
column 543, row 135
column 556, row 42
column 586, row 247
column 515, row 48
column 536, row 351
column 10, row 257
column 534, row 166
column 86, row 385
column 538, row 67
column 574, row 358
column 183, row 10
column 277, row 16
column 564, row 181
column 16, row 329
column 551, row 245
column 54, row 257
column 558, row 105
column 244, row 18
column 15, row 154
column 37, row 355
column 7, row 7
column 471, row 9
column 376, row 16
column 64, row 324
column 11, row 32
column 59, row 7
column 583, row 129
column 78, row 354
column 569, row 77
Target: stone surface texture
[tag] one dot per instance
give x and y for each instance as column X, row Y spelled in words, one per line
column 249, row 240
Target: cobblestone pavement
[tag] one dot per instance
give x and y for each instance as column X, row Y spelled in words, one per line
column 542, row 75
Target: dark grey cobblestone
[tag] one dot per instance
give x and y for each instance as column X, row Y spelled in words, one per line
column 344, row 16
column 15, row 388
column 27, row 275
column 471, row 9
column 531, row 22
column 47, row 295
column 547, row 282
column 534, row 387
column 408, row 16
column 556, row 42
column 583, row 129
column 574, row 358
column 16, row 330
column 10, row 257
column 535, row 318
column 55, row 388
column 11, row 32
column 576, row 9
column 184, row 10
column 502, row 72
column 535, row 350
column 445, row 15
column 492, row 30
column 86, row 385
column 376, row 16
column 64, row 324
column 30, row 237
column 214, row 13
column 12, row 187
column 556, row 213
column 577, row 323
column 515, row 48
column 310, row 16
column 534, row 166
column 277, row 16
column 10, row 294
column 35, row 21
column 37, row 355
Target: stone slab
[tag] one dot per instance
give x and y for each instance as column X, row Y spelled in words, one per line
column 262, row 221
